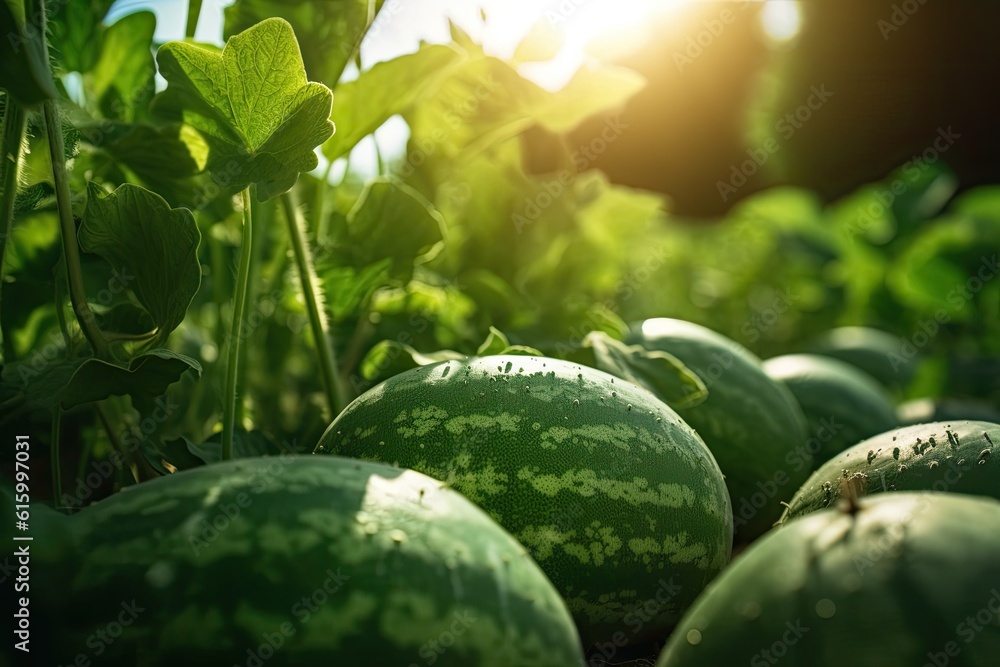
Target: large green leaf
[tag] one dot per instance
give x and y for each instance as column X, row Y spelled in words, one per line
column 24, row 68
column 386, row 89
column 77, row 30
column 252, row 103
column 147, row 376
column 120, row 85
column 329, row 31
column 154, row 249
column 659, row 372
column 394, row 221
column 70, row 383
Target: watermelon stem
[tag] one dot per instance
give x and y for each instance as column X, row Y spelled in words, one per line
column 235, row 334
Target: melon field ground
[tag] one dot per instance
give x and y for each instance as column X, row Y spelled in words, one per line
column 276, row 393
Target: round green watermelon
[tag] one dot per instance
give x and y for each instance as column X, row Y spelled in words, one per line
column 618, row 499
column 751, row 423
column 304, row 561
column 901, row 580
column 891, row 360
column 925, row 410
column 842, row 404
column 957, row 457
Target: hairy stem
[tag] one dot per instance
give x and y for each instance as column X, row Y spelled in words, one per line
column 235, row 334
column 71, row 247
column 317, row 321
column 10, row 155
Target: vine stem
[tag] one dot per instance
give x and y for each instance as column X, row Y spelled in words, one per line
column 71, row 247
column 310, row 284
column 235, row 335
column 13, row 124
column 319, row 203
column 194, row 11
column 54, row 453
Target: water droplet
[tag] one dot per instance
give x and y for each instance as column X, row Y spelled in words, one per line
column 694, row 637
column 895, row 453
column 629, row 407
column 932, row 465
column 397, row 536
column 826, row 608
column 871, row 455
column 576, row 402
column 508, row 367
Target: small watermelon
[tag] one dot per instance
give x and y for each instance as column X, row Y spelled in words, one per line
column 900, row 580
column 891, row 360
column 618, row 500
column 302, row 561
column 957, row 457
column 751, row 423
column 842, row 404
column 926, row 410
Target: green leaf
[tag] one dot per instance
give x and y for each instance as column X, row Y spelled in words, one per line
column 120, row 85
column 152, row 247
column 24, row 68
column 661, row 373
column 245, row 445
column 542, row 43
column 393, row 220
column 496, row 342
column 147, row 376
column 592, row 90
column 388, row 88
column 346, row 288
column 329, row 31
column 159, row 155
column 389, row 357
column 77, row 29
column 252, row 103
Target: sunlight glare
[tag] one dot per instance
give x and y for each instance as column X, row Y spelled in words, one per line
column 780, row 19
column 617, row 25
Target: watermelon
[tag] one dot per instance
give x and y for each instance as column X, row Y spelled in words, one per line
column 925, row 410
column 751, row 423
column 902, row 580
column 957, row 457
column 891, row 360
column 618, row 499
column 842, row 404
column 304, row 560
column 34, row 568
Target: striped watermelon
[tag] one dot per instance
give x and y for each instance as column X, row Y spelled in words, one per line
column 904, row 580
column 618, row 499
column 752, row 424
column 955, row 457
column 306, row 561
